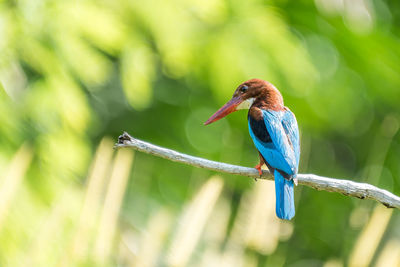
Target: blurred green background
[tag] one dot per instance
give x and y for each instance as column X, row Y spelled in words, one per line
column 75, row 74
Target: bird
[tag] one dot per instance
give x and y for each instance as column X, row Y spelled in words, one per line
column 275, row 134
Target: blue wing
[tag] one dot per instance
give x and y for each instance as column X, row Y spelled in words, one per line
column 283, row 151
column 289, row 124
column 276, row 137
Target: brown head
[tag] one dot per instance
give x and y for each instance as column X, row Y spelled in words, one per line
column 254, row 92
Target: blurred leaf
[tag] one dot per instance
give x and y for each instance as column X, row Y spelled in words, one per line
column 100, row 25
column 90, row 66
column 137, row 72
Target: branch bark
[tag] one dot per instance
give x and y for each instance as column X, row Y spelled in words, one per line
column 345, row 187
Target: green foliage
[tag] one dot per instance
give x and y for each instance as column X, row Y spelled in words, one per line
column 72, row 72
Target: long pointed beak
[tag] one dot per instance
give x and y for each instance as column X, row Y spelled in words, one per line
column 225, row 110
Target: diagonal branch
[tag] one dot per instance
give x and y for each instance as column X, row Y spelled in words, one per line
column 345, row 187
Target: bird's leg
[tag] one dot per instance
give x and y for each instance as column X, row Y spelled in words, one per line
column 258, row 166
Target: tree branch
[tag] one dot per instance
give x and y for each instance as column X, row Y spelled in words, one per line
column 345, row 187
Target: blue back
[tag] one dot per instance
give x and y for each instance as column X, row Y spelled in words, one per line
column 284, row 151
column 281, row 152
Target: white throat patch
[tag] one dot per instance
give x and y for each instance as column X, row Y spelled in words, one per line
column 246, row 104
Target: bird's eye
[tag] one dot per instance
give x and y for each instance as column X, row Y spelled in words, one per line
column 244, row 88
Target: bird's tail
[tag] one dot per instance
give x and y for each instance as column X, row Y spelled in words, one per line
column 284, row 197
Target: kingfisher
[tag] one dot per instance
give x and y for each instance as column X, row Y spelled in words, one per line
column 275, row 133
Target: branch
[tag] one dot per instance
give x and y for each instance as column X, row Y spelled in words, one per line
column 345, row 187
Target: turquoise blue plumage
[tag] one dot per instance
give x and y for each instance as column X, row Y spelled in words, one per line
column 273, row 128
column 281, row 153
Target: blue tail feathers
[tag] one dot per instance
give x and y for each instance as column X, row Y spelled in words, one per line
column 284, row 197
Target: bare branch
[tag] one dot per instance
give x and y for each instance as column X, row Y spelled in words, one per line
column 345, row 187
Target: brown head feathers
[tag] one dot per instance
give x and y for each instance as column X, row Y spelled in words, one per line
column 265, row 95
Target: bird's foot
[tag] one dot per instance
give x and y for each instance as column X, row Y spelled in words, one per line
column 258, row 168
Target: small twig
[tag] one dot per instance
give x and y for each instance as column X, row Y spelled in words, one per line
column 345, row 187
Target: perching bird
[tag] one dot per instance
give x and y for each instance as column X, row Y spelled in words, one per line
column 273, row 128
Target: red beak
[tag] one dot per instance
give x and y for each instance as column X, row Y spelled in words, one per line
column 225, row 110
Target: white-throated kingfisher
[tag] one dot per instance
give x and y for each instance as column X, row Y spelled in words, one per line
column 273, row 128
